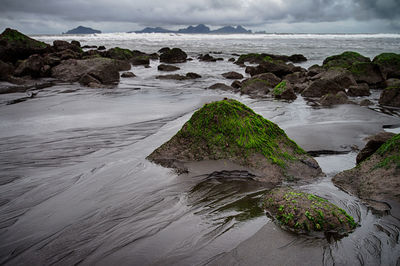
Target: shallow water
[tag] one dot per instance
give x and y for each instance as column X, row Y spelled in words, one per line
column 75, row 187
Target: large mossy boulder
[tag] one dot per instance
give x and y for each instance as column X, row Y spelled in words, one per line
column 229, row 130
column 376, row 178
column 304, row 213
column 389, row 64
column 172, row 56
column 16, row 46
column 344, row 60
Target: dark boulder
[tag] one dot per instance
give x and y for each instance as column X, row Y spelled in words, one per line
column 334, row 99
column 280, row 69
column 128, row 75
column 315, row 70
column 167, row 68
column 140, row 60
column 236, row 84
column 373, row 144
column 164, row 50
column 296, row 77
column 16, row 46
column 207, row 58
column 297, row 58
column 192, row 75
column 359, row 90
column 321, row 87
column 34, row 66
column 366, row 72
column 175, row 55
column 232, row 75
column 284, row 90
column 59, row 45
column 76, row 43
column 390, row 96
column 389, row 65
column 101, row 48
column 221, row 86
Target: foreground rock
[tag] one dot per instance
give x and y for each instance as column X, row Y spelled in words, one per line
column 229, row 130
column 302, row 213
column 16, row 46
column 95, row 70
column 376, row 179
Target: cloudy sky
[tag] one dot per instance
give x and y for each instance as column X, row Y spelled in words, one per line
column 308, row 16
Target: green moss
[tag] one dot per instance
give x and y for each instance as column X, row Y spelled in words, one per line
column 359, row 68
column 387, row 59
column 280, row 88
column 390, row 153
column 254, row 57
column 229, row 129
column 344, row 60
column 120, row 53
column 16, row 38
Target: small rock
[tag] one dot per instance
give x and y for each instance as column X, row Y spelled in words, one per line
column 236, row 84
column 231, row 59
column 164, row 67
column 128, row 75
column 172, row 76
column 221, row 86
column 101, row 48
column 175, row 55
column 232, row 75
column 192, row 75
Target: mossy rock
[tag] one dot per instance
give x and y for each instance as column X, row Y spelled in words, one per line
column 344, row 60
column 389, row 64
column 366, row 72
column 16, row 46
column 304, row 213
column 378, row 177
column 254, row 58
column 229, row 130
column 119, row 53
column 280, row 88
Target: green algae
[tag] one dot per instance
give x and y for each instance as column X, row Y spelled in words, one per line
column 390, row 152
column 280, row 88
column 16, row 38
column 387, row 59
column 304, row 212
column 254, row 57
column 229, row 129
column 120, row 53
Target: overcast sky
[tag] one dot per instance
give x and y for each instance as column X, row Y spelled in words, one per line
column 308, row 16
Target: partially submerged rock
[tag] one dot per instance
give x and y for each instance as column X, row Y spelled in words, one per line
column 334, row 99
column 221, row 86
column 232, row 75
column 229, row 130
column 303, row 213
column 376, row 179
column 167, row 68
column 172, row 56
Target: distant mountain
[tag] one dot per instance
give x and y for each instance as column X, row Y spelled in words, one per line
column 153, row 30
column 82, row 30
column 231, row 30
column 199, row 29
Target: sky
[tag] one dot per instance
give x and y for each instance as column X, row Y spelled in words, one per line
column 282, row 16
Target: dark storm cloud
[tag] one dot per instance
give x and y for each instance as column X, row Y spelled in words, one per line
column 212, row 12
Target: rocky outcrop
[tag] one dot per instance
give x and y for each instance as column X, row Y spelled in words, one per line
column 102, row 70
column 376, row 179
column 389, row 65
column 390, row 96
column 229, row 130
column 16, row 46
column 172, row 56
column 284, row 90
column 232, row 75
column 373, row 144
column 301, row 212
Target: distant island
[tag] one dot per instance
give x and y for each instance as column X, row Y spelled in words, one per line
column 199, row 29
column 82, row 30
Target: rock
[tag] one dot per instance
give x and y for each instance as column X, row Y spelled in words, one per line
column 280, row 69
column 104, row 70
column 259, row 84
column 33, row 66
column 297, row 58
column 76, row 43
column 164, row 67
column 284, row 90
column 236, row 84
column 192, row 75
column 16, row 46
column 334, row 99
column 253, row 58
column 221, row 86
column 331, row 81
column 59, row 45
column 359, row 90
column 231, row 59
column 140, row 60
column 389, row 64
column 303, row 213
column 344, row 60
column 164, row 50
column 6, row 70
column 315, row 70
column 122, row 65
column 207, row 58
column 373, row 144
column 229, row 130
column 392, row 83
column 300, row 87
column 119, row 53
column 128, row 75
column 90, row 47
column 172, row 76
column 232, row 75
column 175, row 55
column 101, row 48
column 52, row 59
column 68, row 54
column 390, row 96
column 89, row 80
column 296, row 77
column 366, row 102
column 376, row 179
column 366, row 72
